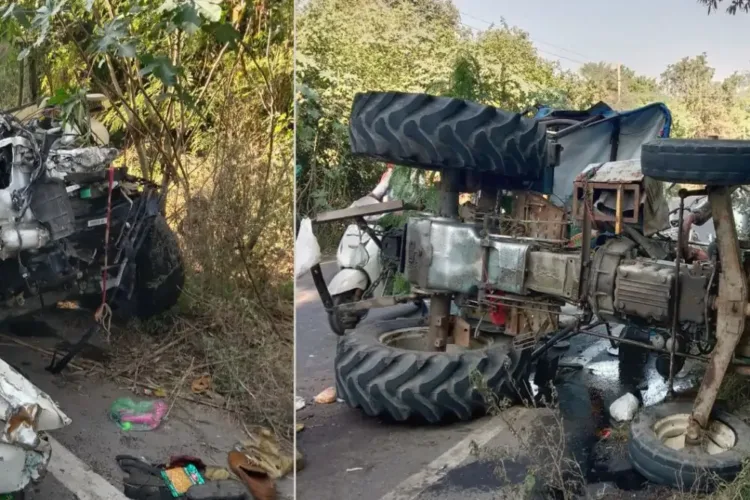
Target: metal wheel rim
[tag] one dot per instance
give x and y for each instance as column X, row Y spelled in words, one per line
column 409, row 339
column 719, row 437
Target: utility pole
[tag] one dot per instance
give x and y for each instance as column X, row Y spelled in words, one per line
column 619, row 84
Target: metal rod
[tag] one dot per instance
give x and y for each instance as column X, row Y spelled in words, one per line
column 735, row 361
column 585, row 247
column 618, row 211
column 439, row 325
column 376, row 303
column 440, row 303
column 569, row 130
column 322, row 287
column 364, row 226
column 559, row 335
column 676, row 310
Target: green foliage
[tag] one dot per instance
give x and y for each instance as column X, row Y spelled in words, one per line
column 733, row 6
column 199, row 99
column 74, row 108
column 600, row 83
column 9, row 75
column 350, row 46
column 415, row 186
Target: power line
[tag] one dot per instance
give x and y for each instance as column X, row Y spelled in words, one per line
column 562, row 56
column 578, row 61
column 536, row 40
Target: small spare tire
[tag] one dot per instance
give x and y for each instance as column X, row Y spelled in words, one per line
column 377, row 372
column 682, row 468
column 422, row 130
column 697, row 161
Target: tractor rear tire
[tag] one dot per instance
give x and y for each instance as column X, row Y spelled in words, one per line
column 421, row 130
column 697, row 161
column 404, row 384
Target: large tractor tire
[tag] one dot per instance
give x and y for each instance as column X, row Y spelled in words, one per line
column 160, row 274
column 384, row 369
column 431, row 132
column 697, row 161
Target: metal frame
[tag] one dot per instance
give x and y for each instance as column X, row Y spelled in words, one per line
column 585, row 191
column 364, row 211
column 731, row 304
column 358, row 214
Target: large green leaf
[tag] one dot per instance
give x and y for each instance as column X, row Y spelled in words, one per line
column 210, row 9
column 160, row 67
column 223, row 33
column 187, row 19
column 114, row 37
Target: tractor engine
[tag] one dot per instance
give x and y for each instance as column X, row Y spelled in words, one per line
column 537, row 273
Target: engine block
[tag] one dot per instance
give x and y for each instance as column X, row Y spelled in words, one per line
column 444, row 255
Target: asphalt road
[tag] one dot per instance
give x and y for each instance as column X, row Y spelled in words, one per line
column 349, row 455
column 85, row 467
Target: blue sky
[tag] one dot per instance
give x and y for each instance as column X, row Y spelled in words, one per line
column 644, row 35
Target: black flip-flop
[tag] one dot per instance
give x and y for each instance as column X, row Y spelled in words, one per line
column 144, row 481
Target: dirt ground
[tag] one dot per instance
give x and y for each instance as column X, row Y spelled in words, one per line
column 190, row 429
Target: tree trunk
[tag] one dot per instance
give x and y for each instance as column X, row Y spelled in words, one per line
column 33, row 77
column 21, row 70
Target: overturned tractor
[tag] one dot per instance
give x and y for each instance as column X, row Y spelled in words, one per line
column 569, row 208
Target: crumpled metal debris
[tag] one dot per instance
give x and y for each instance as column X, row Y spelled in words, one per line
column 17, row 391
column 19, row 427
column 25, row 412
column 61, row 162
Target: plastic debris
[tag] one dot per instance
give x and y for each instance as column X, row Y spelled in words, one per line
column 328, row 396
column 306, row 249
column 604, row 433
column 299, row 427
column 138, row 416
column 216, row 474
column 354, row 469
column 624, row 408
column 299, row 403
column 180, row 479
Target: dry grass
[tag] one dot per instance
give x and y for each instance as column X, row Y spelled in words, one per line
column 234, row 324
column 552, row 472
column 734, row 391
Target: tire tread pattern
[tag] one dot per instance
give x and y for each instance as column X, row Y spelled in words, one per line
column 412, row 385
column 697, row 161
column 421, row 130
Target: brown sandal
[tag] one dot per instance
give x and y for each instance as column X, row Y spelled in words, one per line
column 258, row 482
